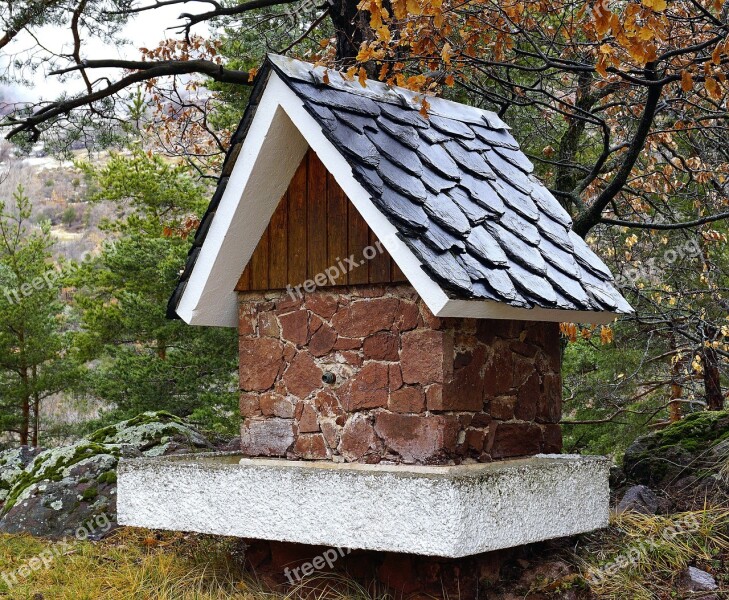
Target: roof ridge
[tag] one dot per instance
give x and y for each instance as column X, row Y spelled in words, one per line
column 377, row 90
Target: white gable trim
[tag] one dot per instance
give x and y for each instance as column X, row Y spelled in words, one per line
column 280, row 133
column 278, row 138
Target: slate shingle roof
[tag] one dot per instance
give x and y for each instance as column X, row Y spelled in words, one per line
column 457, row 188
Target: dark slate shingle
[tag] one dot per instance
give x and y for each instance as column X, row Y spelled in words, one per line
column 406, row 134
column 396, row 151
column 434, row 182
column 402, row 209
column 402, row 181
column 443, row 210
column 450, row 127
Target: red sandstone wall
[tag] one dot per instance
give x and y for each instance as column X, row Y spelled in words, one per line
column 409, row 387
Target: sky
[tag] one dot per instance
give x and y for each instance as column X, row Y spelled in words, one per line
column 145, row 30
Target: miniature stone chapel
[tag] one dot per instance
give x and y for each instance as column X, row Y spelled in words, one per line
column 397, row 279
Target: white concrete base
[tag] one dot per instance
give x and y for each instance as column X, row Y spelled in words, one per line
column 438, row 511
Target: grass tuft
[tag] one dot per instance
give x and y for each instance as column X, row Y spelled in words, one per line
column 639, row 555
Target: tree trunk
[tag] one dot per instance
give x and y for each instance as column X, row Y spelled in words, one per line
column 25, row 406
column 351, row 28
column 712, row 377
column 674, row 407
column 36, row 408
column 162, row 349
column 25, row 423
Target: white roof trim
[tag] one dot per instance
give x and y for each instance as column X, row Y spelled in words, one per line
column 489, row 309
column 279, row 136
column 280, row 133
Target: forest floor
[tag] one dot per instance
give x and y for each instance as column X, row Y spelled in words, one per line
column 133, row 564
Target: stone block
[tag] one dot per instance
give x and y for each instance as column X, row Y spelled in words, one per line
column 267, row 437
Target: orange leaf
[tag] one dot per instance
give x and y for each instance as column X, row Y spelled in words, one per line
column 601, row 15
column 716, row 55
column 713, row 88
column 446, row 53
column 424, row 108
column 687, row 82
column 601, row 66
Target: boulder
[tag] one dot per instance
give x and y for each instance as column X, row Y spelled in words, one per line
column 640, row 499
column 70, row 491
column 679, row 450
column 696, row 580
column 12, row 463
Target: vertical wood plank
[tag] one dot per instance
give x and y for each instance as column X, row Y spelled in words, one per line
column 357, row 240
column 316, row 216
column 244, row 283
column 278, row 248
column 297, row 227
column 380, row 264
column 336, row 227
column 395, row 273
column 259, row 263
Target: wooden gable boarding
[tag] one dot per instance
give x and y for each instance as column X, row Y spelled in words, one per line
column 315, row 227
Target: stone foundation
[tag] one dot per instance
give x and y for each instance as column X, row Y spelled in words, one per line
column 281, row 564
column 408, row 387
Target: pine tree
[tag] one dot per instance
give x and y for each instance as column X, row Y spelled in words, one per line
column 35, row 357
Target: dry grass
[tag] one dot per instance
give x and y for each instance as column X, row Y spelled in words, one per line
column 131, row 564
column 134, row 564
column 650, row 553
column 641, row 556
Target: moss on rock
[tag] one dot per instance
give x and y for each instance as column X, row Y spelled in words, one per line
column 53, row 465
column 149, row 431
column 63, row 487
column 679, row 449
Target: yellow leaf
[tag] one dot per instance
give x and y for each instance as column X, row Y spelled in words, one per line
column 446, row 53
column 646, row 33
column 656, row 5
column 414, row 7
column 399, row 7
column 450, row 80
column 362, row 76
